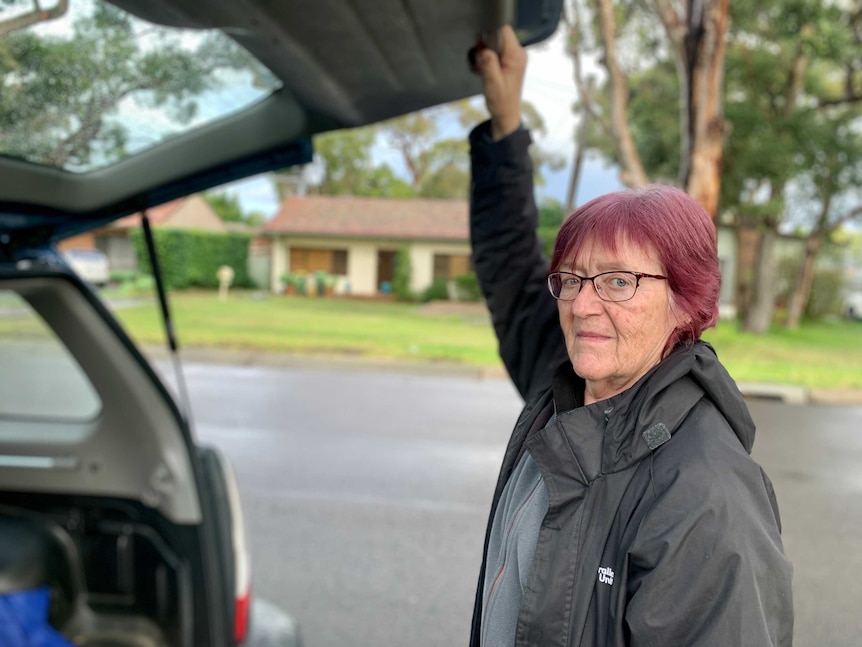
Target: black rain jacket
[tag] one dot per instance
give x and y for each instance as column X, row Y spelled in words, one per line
column 661, row 529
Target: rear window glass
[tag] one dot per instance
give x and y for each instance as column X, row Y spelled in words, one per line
column 86, row 84
column 40, row 378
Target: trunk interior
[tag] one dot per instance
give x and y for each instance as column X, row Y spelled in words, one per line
column 115, row 570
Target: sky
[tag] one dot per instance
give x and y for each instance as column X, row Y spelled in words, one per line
column 548, row 86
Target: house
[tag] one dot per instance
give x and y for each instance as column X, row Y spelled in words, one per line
column 192, row 212
column 357, row 239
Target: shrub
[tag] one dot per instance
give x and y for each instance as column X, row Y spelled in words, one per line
column 437, row 291
column 322, row 281
column 296, row 280
column 825, row 297
column 467, row 286
column 123, row 276
column 401, row 276
column 191, row 258
column 826, row 286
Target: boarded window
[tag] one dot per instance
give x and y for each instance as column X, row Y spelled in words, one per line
column 441, row 267
column 310, row 259
column 448, row 266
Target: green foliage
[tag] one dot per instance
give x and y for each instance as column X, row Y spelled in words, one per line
column 551, row 216
column 322, row 282
column 437, row 291
column 123, row 276
column 826, row 291
column 548, row 238
column 59, row 104
column 437, row 167
column 191, row 258
column 467, row 286
column 227, row 206
column 826, row 286
column 402, row 275
column 132, row 284
column 294, row 282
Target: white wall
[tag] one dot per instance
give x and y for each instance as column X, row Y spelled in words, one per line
column 422, row 261
column 727, row 258
column 362, row 268
column 279, row 265
column 362, row 260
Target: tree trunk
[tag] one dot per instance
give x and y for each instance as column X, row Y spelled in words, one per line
column 698, row 41
column 580, row 149
column 804, row 280
column 701, row 167
column 632, row 172
column 763, row 308
column 747, row 245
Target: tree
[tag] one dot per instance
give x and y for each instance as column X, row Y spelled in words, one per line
column 695, row 42
column 431, row 155
column 792, row 78
column 551, row 216
column 439, row 167
column 794, row 75
column 227, row 206
column 61, row 96
column 436, row 167
column 344, row 165
column 831, row 188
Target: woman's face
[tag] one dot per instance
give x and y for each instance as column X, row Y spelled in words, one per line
column 612, row 345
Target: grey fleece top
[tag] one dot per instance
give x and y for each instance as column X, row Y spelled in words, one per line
column 512, row 544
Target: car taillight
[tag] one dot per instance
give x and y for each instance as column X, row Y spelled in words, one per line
column 241, row 556
column 242, row 607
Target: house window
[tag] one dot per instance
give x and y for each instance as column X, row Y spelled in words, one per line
column 448, row 266
column 309, row 259
column 441, row 267
column 339, row 262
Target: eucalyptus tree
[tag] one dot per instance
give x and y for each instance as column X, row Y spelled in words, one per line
column 422, row 154
column 794, row 77
column 790, row 124
column 64, row 88
column 630, row 37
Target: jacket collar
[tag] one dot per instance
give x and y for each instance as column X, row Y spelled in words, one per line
column 610, row 435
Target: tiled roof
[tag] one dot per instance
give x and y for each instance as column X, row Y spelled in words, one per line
column 345, row 216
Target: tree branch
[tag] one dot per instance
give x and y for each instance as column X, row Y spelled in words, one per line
column 632, row 172
column 33, row 17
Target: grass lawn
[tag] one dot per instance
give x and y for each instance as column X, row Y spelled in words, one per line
column 819, row 355
column 379, row 330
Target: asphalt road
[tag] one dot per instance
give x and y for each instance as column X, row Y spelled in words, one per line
column 367, row 495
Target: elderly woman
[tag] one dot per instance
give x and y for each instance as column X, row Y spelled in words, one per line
column 628, row 509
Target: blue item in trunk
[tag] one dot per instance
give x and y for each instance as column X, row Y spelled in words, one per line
column 24, row 620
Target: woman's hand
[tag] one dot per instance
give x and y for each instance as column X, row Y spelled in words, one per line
column 502, row 82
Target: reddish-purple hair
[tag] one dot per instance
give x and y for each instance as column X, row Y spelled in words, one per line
column 664, row 219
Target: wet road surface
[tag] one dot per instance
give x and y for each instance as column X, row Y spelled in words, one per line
column 367, row 495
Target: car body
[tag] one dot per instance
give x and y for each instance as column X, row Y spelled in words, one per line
column 90, row 264
column 131, row 530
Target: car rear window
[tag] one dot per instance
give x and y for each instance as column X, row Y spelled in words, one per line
column 89, row 84
column 40, row 377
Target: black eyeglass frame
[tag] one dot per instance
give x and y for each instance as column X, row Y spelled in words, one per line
column 583, row 279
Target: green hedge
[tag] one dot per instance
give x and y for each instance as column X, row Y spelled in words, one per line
column 190, row 259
